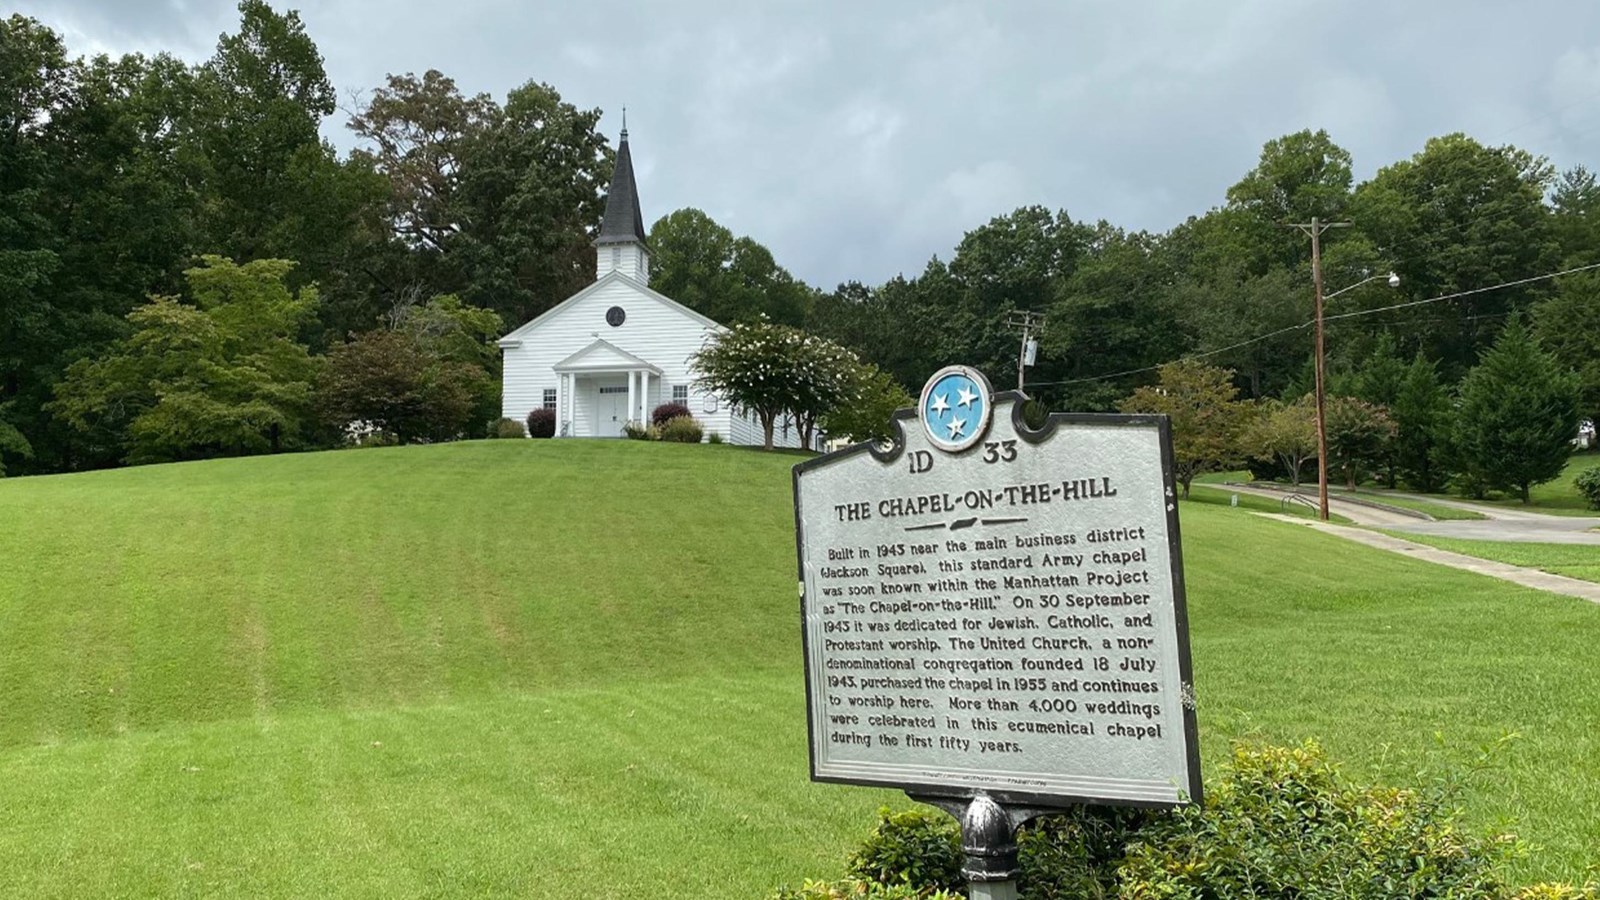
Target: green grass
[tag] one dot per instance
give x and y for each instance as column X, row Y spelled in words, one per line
column 1559, row 497
column 1437, row 510
column 1572, row 560
column 572, row 669
column 1219, row 495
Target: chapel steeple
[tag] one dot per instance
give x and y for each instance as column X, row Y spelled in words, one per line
column 621, row 245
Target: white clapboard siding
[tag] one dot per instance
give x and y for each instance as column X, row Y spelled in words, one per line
column 656, row 330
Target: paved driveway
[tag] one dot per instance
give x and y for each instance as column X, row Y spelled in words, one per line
column 1501, row 524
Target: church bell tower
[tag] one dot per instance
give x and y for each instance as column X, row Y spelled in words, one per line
column 621, row 246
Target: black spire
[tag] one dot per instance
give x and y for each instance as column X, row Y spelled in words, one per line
column 623, row 223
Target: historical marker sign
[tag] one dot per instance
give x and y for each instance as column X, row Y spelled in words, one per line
column 991, row 609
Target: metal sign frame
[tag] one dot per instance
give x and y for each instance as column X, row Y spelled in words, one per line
column 1193, row 791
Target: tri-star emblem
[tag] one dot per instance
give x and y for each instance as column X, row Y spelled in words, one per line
column 955, row 408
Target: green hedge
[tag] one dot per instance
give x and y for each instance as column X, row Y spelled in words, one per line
column 1279, row 822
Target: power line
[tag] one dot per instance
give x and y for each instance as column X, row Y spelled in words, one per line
column 1308, row 323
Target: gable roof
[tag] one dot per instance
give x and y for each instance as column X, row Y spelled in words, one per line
column 515, row 336
column 623, row 222
column 602, row 354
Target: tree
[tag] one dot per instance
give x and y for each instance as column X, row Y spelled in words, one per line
column 1518, row 414
column 730, row 279
column 223, row 375
column 1298, row 176
column 1227, row 307
column 495, row 203
column 1284, row 432
column 771, row 369
column 13, row 444
column 1018, row 261
column 1568, row 325
column 390, row 382
column 261, row 99
column 451, row 331
column 1206, row 414
column 1358, row 436
column 1575, row 216
column 1378, row 381
column 866, row 414
column 824, row 376
column 1422, row 413
column 1113, row 314
column 1458, row 216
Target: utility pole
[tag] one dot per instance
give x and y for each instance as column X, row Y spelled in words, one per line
column 1029, row 323
column 1315, row 228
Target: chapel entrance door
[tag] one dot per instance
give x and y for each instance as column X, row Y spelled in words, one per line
column 611, row 409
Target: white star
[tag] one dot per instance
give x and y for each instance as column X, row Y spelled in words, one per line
column 966, row 397
column 956, row 426
column 939, row 404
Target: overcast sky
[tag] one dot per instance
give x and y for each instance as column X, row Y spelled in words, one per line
column 858, row 139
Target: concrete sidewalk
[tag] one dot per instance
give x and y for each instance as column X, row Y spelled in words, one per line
column 1533, row 578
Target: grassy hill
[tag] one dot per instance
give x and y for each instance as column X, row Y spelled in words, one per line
column 526, row 668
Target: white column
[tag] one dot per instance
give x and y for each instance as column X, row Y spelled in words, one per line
column 561, row 396
column 644, row 395
column 633, row 397
column 565, row 402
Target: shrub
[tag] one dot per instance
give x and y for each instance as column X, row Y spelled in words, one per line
column 637, row 431
column 542, row 423
column 666, row 412
column 1588, row 484
column 1280, row 822
column 1284, row 822
column 681, row 430
column 507, row 428
column 713, row 437
column 917, row 846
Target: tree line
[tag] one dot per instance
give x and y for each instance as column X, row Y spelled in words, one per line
column 188, row 269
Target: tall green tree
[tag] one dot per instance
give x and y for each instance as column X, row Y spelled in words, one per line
column 1455, row 217
column 1517, row 416
column 224, row 374
column 1112, row 314
column 1299, row 176
column 1018, row 261
column 1575, row 216
column 704, row 266
column 494, row 202
column 1424, row 417
column 1568, row 325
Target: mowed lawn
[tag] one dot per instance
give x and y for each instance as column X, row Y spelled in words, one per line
column 1558, row 496
column 572, row 669
column 1572, row 560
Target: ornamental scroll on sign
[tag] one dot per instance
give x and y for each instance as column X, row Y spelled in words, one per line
column 994, row 610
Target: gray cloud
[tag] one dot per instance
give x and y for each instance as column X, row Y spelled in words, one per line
column 857, row 140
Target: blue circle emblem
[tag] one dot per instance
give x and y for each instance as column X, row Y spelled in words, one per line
column 955, row 408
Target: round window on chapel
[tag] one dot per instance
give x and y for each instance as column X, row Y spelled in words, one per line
column 615, row 316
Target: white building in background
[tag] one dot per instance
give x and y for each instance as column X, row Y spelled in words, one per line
column 614, row 351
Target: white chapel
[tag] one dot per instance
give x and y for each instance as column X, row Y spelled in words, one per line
column 614, row 351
